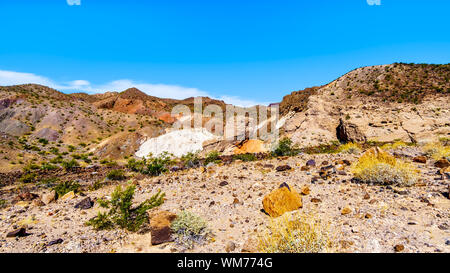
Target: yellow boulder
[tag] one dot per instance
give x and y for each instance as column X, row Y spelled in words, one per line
column 281, row 200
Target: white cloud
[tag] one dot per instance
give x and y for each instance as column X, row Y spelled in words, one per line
column 157, row 90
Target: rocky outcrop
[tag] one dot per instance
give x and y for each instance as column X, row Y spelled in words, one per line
column 349, row 132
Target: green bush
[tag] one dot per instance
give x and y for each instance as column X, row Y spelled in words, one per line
column 136, row 165
column 28, row 178
column 190, row 160
column 245, row 157
column 121, row 212
column 68, row 165
column 212, row 157
column 189, row 228
column 48, row 166
column 285, row 148
column 116, row 175
column 158, row 165
column 65, row 187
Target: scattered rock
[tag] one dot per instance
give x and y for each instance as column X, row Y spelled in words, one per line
column 20, row 232
column 346, row 211
column 160, row 226
column 55, row 242
column 311, row 163
column 442, row 163
column 86, row 203
column 231, row 246
column 399, row 248
column 26, row 196
column 420, row 159
column 315, row 200
column 49, row 197
column 68, row 196
column 305, row 190
column 283, row 168
column 38, row 203
column 223, row 183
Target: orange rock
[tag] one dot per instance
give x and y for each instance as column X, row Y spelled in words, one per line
column 346, row 211
column 306, row 190
column 251, row 146
column 281, row 200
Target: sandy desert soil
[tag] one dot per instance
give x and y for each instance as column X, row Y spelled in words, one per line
column 381, row 218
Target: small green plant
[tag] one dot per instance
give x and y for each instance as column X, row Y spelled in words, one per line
column 190, row 160
column 48, row 166
column 136, row 165
column 43, row 141
column 116, row 175
column 121, row 213
column 158, row 165
column 65, row 187
column 189, row 229
column 70, row 164
column 245, row 157
column 28, row 178
column 3, row 203
column 285, row 148
column 212, row 157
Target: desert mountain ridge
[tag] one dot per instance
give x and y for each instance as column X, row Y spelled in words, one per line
column 385, row 103
column 362, row 165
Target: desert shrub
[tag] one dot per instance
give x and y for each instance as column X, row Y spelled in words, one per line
column 43, row 141
column 56, row 160
column 121, row 213
column 65, row 187
column 3, row 203
column 384, row 169
column 48, row 182
column 437, row 150
column 30, row 167
column 189, row 229
column 70, row 164
column 190, row 160
column 245, row 157
column 395, row 145
column 136, row 165
column 349, row 148
column 116, row 175
column 28, row 178
column 285, row 148
column 212, row 157
column 294, row 234
column 157, row 165
column 48, row 166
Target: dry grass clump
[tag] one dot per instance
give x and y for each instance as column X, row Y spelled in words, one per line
column 295, row 234
column 381, row 168
column 437, row 150
column 349, row 148
column 395, row 145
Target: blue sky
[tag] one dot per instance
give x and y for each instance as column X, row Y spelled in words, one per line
column 247, row 51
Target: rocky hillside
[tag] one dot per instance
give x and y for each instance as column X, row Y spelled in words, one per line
column 408, row 102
